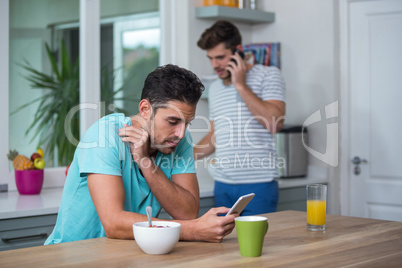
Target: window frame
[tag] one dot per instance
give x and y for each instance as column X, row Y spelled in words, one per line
column 6, row 173
column 89, row 11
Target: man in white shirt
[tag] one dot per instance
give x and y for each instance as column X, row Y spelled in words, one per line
column 247, row 107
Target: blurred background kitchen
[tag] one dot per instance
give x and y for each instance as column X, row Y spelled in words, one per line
column 339, row 60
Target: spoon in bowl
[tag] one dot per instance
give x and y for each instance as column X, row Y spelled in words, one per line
column 149, row 215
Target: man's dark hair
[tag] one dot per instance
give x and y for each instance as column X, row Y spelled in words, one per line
column 221, row 32
column 171, row 83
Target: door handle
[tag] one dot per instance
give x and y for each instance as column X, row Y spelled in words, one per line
column 357, row 161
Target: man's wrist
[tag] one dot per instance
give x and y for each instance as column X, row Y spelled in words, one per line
column 188, row 230
column 145, row 163
column 242, row 87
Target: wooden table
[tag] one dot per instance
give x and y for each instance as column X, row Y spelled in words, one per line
column 348, row 241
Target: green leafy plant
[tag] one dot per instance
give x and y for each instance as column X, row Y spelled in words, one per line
column 61, row 94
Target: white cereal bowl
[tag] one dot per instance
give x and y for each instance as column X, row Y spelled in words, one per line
column 154, row 240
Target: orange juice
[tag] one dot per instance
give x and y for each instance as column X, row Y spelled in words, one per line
column 316, row 210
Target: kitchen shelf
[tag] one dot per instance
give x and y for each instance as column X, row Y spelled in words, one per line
column 234, row 14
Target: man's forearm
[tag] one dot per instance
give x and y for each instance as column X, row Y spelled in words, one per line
column 121, row 224
column 122, row 227
column 180, row 203
column 207, row 144
column 209, row 227
column 270, row 114
column 203, row 148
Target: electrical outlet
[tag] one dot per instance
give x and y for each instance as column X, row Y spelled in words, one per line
column 3, row 187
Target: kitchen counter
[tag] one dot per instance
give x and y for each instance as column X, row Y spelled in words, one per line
column 347, row 242
column 14, row 205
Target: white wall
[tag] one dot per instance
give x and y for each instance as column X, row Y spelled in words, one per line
column 308, row 32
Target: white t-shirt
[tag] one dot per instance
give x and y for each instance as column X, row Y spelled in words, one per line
column 245, row 151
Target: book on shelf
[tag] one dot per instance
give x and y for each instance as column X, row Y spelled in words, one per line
column 268, row 54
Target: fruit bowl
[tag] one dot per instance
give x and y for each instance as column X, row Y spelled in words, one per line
column 29, row 181
column 159, row 239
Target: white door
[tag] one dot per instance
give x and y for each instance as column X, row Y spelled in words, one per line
column 376, row 109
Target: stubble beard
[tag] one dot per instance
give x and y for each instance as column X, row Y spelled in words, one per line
column 156, row 143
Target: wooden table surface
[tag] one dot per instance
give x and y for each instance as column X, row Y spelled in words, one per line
column 348, row 241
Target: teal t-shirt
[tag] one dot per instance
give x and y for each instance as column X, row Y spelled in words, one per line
column 102, row 151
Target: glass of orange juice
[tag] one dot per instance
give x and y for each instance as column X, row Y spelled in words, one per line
column 316, row 207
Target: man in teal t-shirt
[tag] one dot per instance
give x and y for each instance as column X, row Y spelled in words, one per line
column 124, row 164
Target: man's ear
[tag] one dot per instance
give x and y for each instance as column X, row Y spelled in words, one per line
column 240, row 47
column 145, row 109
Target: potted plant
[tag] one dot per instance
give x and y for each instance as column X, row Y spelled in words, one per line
column 61, row 89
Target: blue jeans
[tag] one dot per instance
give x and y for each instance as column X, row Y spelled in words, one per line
column 265, row 199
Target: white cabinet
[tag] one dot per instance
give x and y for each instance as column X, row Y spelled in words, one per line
column 25, row 231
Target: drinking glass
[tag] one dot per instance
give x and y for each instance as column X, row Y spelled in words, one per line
column 316, row 207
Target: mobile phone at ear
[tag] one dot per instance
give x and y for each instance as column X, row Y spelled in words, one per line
column 241, row 203
column 241, row 54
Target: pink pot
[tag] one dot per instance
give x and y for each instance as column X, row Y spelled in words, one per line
column 29, row 181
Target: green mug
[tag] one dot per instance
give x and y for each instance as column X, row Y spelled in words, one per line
column 251, row 231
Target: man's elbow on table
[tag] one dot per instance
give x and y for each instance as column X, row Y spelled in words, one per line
column 116, row 228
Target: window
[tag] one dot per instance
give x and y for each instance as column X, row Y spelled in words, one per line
column 35, row 22
column 130, row 48
column 136, row 51
column 28, row 32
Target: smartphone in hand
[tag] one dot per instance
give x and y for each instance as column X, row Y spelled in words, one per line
column 241, row 54
column 241, row 203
